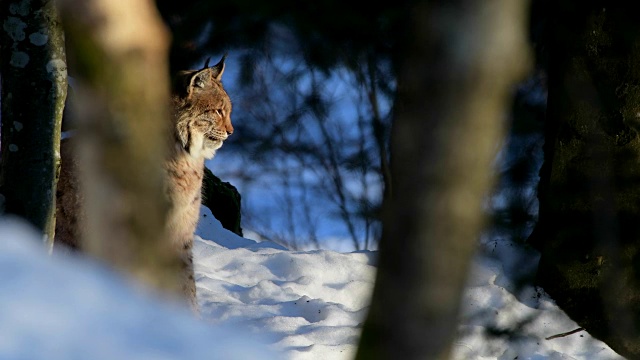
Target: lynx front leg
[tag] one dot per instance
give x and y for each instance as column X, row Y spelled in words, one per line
column 188, row 279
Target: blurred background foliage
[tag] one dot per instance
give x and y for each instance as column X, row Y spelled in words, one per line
column 312, row 84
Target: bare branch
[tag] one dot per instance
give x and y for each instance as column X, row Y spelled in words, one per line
column 565, row 334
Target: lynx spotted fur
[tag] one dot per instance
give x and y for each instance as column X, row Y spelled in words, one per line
column 201, row 113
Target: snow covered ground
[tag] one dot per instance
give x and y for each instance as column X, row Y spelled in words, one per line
column 65, row 308
column 312, row 303
column 258, row 301
column 520, row 318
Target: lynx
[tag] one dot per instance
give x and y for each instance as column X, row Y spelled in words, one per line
column 201, row 113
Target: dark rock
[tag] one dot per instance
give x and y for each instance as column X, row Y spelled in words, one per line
column 223, row 199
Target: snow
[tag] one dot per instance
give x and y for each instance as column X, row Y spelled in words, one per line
column 63, row 307
column 521, row 317
column 311, row 303
column 258, row 301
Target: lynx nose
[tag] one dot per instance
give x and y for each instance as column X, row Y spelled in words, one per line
column 229, row 129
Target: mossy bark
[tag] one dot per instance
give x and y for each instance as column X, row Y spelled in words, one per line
column 34, row 88
column 589, row 228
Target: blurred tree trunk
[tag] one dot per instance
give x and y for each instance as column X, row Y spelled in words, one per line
column 120, row 52
column 456, row 69
column 34, row 89
column 589, row 228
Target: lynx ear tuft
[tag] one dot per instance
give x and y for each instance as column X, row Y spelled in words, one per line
column 218, row 69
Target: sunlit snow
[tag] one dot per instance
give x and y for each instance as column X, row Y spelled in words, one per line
column 258, row 301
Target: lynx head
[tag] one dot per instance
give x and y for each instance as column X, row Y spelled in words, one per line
column 202, row 110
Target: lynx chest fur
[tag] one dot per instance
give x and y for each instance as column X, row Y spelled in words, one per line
column 201, row 112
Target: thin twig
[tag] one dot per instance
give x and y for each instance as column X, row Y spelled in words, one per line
column 565, row 334
column 378, row 128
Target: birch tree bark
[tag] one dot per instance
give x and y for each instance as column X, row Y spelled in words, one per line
column 34, row 89
column 120, row 48
column 456, row 65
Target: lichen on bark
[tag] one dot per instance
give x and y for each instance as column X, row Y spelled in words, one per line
column 33, row 97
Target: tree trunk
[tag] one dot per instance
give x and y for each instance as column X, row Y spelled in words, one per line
column 120, row 49
column 455, row 72
column 34, row 89
column 588, row 231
